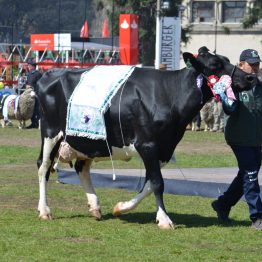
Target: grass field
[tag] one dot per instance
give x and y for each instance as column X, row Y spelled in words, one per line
column 74, row 236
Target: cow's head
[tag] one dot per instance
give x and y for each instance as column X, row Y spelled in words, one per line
column 213, row 64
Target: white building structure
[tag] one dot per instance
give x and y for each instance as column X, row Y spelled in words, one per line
column 217, row 24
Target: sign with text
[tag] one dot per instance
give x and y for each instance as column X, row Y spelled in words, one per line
column 53, row 42
column 128, row 39
column 170, row 33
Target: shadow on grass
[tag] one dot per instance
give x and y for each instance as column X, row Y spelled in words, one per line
column 189, row 220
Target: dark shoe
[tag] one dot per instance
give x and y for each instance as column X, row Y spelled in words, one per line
column 222, row 214
column 32, row 126
column 257, row 224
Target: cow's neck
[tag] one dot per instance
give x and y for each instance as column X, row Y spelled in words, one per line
column 206, row 92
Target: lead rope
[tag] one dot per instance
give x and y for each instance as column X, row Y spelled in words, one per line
column 112, row 162
column 173, row 159
column 122, row 136
column 109, row 151
column 181, row 172
column 110, row 154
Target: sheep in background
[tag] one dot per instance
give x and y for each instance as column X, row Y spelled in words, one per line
column 22, row 111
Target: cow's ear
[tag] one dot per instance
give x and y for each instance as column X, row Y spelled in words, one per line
column 191, row 61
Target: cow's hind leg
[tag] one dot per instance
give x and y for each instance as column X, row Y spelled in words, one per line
column 49, row 146
column 124, row 207
column 83, row 169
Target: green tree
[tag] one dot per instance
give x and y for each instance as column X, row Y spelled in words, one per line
column 43, row 16
column 254, row 14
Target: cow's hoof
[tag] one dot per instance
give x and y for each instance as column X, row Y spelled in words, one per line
column 45, row 217
column 166, row 226
column 96, row 213
column 117, row 209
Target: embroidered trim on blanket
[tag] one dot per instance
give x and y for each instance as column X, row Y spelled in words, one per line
column 91, row 99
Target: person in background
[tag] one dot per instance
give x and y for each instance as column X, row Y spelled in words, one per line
column 218, row 116
column 243, row 133
column 1, row 92
column 33, row 76
column 21, row 82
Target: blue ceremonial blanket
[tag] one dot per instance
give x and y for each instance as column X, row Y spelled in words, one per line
column 92, row 97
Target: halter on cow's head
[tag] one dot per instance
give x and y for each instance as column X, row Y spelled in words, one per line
column 209, row 64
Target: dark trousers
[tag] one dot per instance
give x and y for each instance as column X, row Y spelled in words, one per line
column 246, row 181
column 36, row 114
column 198, row 119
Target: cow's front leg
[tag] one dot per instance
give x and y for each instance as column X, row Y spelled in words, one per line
column 43, row 208
column 162, row 219
column 83, row 169
column 43, row 173
column 149, row 154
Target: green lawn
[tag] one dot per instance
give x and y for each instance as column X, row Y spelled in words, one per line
column 73, row 235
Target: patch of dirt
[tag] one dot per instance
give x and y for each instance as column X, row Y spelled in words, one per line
column 183, row 147
column 20, row 137
column 21, row 141
column 203, row 148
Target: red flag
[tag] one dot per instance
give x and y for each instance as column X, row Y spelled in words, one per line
column 105, row 31
column 84, row 30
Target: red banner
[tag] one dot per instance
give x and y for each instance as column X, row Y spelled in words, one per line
column 105, row 31
column 128, row 39
column 84, row 30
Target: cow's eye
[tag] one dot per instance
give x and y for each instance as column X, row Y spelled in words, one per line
column 216, row 63
column 219, row 65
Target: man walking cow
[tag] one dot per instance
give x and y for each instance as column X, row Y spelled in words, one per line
column 243, row 133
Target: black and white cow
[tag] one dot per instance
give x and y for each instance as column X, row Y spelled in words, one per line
column 148, row 115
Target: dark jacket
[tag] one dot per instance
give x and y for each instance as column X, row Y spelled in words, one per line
column 33, row 77
column 243, row 125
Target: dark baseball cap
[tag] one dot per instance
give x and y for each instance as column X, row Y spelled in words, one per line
column 250, row 56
